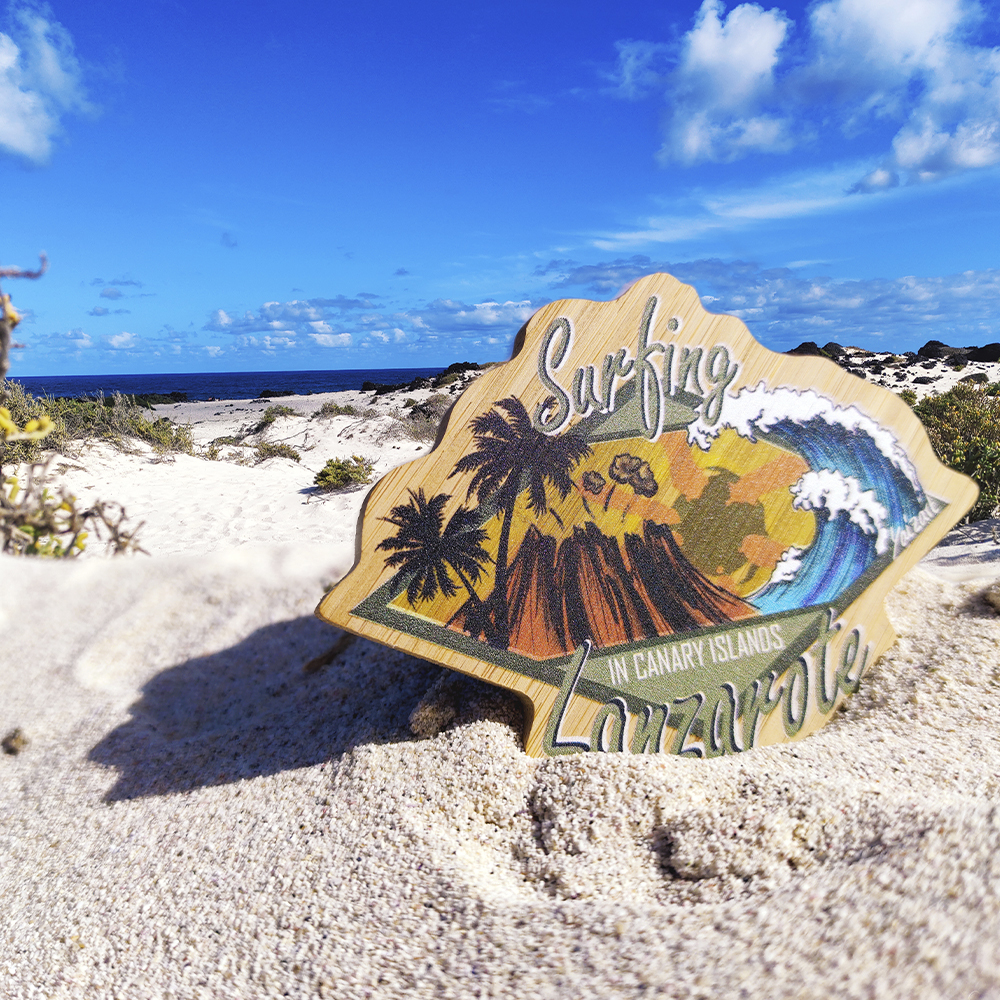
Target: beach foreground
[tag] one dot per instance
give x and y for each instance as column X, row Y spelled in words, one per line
column 196, row 815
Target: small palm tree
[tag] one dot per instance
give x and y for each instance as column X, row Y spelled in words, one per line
column 510, row 456
column 425, row 546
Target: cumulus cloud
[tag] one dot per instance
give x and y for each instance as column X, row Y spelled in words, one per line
column 332, row 339
column 300, row 316
column 343, row 321
column 725, row 85
column 78, row 339
column 122, row 341
column 751, row 80
column 448, row 316
column 111, row 293
column 40, row 81
column 783, row 309
column 104, row 311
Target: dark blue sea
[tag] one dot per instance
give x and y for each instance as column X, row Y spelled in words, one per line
column 220, row 385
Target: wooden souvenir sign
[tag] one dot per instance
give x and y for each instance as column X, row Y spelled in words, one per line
column 662, row 536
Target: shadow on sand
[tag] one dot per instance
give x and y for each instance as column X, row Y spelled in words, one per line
column 252, row 710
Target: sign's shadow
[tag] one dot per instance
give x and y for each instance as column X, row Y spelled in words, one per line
column 252, row 710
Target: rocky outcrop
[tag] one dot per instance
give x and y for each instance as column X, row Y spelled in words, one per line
column 934, row 368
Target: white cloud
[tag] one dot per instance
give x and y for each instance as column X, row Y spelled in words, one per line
column 783, row 196
column 78, row 338
column 784, row 309
column 723, row 83
column 332, row 339
column 752, row 81
column 342, row 322
column 445, row 315
column 40, row 80
column 213, row 351
column 123, row 340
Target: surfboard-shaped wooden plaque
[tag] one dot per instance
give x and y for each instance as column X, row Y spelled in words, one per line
column 664, row 537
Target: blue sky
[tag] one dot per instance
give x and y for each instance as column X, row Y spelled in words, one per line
column 275, row 186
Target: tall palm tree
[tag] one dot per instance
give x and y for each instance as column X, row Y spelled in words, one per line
column 511, row 456
column 425, row 546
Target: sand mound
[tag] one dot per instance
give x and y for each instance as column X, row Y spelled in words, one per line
column 195, row 815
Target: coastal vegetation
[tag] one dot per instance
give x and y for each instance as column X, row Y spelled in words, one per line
column 270, row 415
column 339, row 473
column 271, row 449
column 963, row 425
column 120, row 421
column 332, row 409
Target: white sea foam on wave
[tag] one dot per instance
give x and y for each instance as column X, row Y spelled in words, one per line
column 788, row 565
column 759, row 409
column 832, row 491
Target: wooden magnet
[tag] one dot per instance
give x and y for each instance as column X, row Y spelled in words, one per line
column 664, row 537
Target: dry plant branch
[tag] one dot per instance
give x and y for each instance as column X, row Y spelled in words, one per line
column 9, row 316
column 34, row 520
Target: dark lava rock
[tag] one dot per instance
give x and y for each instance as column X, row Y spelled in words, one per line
column 924, row 379
column 461, row 366
column 807, row 347
column 380, row 388
column 936, row 349
column 833, row 349
column 14, row 742
column 975, row 377
column 991, row 352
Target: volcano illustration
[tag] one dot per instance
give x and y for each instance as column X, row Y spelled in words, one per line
column 593, row 586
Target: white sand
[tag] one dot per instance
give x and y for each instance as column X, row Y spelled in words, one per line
column 194, row 816
column 900, row 372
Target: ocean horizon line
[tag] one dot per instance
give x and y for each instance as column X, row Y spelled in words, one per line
column 222, row 385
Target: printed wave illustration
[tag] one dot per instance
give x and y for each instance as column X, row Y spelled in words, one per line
column 591, row 586
column 861, row 485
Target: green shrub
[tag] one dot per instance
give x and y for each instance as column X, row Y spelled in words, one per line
column 269, row 449
column 118, row 420
column 331, row 409
column 446, row 379
column 270, row 415
column 908, row 396
column 341, row 472
column 963, row 425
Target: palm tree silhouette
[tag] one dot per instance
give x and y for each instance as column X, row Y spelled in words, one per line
column 425, row 546
column 510, row 456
